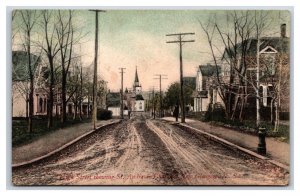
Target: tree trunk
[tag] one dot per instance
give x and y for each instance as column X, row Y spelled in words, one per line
column 27, row 105
column 257, row 83
column 31, row 83
column 56, row 110
column 64, row 100
column 276, row 117
column 75, row 111
column 243, row 101
column 80, row 100
column 242, row 109
column 30, row 106
column 271, row 114
column 228, row 105
column 80, row 110
column 49, row 112
column 234, row 107
column 88, row 107
column 50, row 107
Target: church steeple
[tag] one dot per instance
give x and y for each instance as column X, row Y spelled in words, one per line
column 136, row 79
column 137, row 88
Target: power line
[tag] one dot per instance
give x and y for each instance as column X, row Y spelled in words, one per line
column 160, row 77
column 180, row 41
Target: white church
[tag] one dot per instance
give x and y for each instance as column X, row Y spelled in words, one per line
column 134, row 100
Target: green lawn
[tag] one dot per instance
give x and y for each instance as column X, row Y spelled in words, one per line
column 283, row 133
column 20, row 135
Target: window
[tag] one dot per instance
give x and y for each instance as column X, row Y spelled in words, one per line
column 40, row 105
column 270, row 64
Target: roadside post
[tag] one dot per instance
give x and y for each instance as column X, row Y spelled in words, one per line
column 261, row 149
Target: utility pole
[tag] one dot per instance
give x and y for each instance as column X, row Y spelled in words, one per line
column 121, row 99
column 160, row 92
column 181, row 42
column 153, row 104
column 95, row 69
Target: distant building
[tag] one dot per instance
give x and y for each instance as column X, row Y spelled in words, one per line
column 206, row 92
column 113, row 103
column 134, row 100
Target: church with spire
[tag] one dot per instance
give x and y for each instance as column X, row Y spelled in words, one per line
column 137, row 88
column 134, row 100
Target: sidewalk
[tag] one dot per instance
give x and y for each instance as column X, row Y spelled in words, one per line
column 52, row 141
column 276, row 150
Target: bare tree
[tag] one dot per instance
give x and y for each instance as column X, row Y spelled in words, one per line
column 15, row 27
column 275, row 68
column 81, row 93
column 236, row 58
column 29, row 19
column 51, row 49
column 74, row 87
column 65, row 34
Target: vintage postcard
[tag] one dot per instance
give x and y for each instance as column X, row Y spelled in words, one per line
column 150, row 97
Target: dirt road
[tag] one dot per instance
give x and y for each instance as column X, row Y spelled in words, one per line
column 141, row 151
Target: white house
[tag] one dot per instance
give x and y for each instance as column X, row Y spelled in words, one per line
column 205, row 92
column 113, row 103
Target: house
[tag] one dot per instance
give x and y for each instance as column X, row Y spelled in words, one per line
column 20, row 89
column 20, row 85
column 113, row 103
column 274, row 71
column 206, row 92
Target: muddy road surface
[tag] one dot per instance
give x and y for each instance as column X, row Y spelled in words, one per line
column 143, row 151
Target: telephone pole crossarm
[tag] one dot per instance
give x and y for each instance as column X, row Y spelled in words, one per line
column 174, row 34
column 97, row 10
column 168, row 42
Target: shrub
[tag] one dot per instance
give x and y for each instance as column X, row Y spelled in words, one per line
column 215, row 113
column 103, row 114
column 284, row 116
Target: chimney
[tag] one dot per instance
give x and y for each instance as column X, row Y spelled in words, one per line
column 283, row 30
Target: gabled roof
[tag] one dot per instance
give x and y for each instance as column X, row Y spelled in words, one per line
column 20, row 65
column 209, row 70
column 269, row 49
column 280, row 44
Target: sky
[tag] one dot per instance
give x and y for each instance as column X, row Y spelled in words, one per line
column 137, row 39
